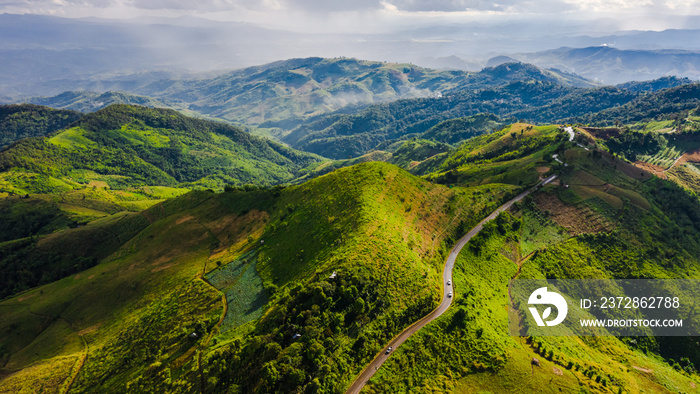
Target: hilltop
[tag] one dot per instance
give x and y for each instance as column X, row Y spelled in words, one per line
column 85, row 102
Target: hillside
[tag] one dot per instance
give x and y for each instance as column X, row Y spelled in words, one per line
column 126, row 146
column 604, row 219
column 296, row 288
column 341, row 135
column 25, row 120
column 92, row 101
column 127, row 158
column 646, row 107
column 284, row 93
column 612, row 65
column 344, row 261
column 656, row 84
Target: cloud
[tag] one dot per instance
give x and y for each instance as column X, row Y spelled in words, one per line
column 260, row 10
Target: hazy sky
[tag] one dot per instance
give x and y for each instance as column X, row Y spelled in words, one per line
column 373, row 15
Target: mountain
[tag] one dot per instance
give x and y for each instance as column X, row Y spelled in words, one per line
column 125, row 159
column 345, row 261
column 127, row 146
column 656, row 84
column 283, row 94
column 26, row 120
column 297, row 288
column 613, row 66
column 91, row 101
column 339, row 135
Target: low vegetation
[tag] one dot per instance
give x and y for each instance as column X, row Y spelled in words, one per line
column 468, row 349
column 21, row 121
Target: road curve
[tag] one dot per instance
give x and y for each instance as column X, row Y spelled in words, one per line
column 382, row 356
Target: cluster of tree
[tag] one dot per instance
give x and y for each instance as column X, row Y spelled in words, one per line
column 645, row 107
column 313, row 340
column 21, row 121
column 23, row 267
column 629, row 144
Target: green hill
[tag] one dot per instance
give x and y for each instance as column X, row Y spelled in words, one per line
column 605, row 219
column 454, row 131
column 21, row 121
column 341, row 135
column 142, row 319
column 646, row 107
column 126, row 146
column 127, row 158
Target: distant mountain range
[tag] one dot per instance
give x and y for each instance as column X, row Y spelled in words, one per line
column 284, row 93
column 610, row 65
column 341, row 108
column 46, row 55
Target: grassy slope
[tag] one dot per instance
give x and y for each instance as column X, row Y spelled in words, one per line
column 380, row 228
column 469, row 350
column 126, row 158
column 136, row 146
column 511, row 155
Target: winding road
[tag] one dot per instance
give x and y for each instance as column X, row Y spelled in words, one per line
column 382, row 356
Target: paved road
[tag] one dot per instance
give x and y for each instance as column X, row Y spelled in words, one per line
column 379, row 359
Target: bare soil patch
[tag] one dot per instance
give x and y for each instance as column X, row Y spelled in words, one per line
column 162, row 267
column 541, row 171
column 645, row 370
column 577, row 219
column 89, row 330
column 651, row 168
column 26, row 297
column 184, row 219
column 692, row 156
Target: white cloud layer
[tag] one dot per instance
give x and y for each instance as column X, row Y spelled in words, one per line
column 344, row 15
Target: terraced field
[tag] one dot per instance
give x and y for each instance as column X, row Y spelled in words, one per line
column 243, row 288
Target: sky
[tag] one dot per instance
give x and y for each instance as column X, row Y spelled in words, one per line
column 375, row 16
